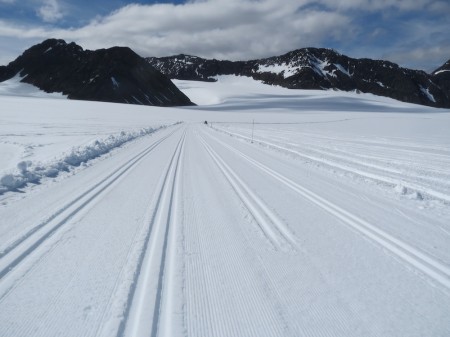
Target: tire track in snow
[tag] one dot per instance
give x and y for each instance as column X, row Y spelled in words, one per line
column 151, row 306
column 429, row 266
column 27, row 244
column 270, row 224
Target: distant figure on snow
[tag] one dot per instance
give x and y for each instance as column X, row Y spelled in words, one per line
column 206, row 123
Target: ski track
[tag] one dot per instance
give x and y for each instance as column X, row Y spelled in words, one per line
column 220, row 276
column 392, row 167
column 205, row 253
column 13, row 254
column 151, row 310
column 290, row 316
column 426, row 264
column 271, row 225
column 36, row 248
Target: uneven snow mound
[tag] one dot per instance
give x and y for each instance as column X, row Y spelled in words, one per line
column 29, row 172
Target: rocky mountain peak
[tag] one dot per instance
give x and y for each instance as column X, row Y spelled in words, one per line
column 320, row 68
column 115, row 74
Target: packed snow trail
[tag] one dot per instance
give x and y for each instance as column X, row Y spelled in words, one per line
column 395, row 162
column 191, row 232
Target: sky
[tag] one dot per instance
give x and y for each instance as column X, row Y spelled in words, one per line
column 412, row 33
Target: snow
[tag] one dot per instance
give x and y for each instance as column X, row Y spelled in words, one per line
column 319, row 67
column 285, row 69
column 13, row 87
column 292, row 213
column 114, row 82
column 342, row 69
column 55, row 136
column 29, row 172
column 441, row 71
column 427, row 93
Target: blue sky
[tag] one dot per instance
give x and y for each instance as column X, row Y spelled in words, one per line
column 413, row 33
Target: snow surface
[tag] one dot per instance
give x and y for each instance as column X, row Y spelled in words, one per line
column 13, row 87
column 291, row 213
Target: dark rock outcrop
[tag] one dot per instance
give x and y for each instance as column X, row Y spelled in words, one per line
column 441, row 77
column 111, row 75
column 317, row 68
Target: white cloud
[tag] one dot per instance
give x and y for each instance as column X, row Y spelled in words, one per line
column 215, row 28
column 229, row 29
column 375, row 5
column 50, row 11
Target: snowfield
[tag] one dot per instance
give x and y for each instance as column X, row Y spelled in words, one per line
column 291, row 213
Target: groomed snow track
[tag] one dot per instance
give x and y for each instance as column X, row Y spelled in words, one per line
column 191, row 232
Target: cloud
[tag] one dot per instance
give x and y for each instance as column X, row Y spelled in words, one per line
column 215, row 28
column 245, row 29
column 376, row 5
column 427, row 47
column 50, row 11
column 431, row 56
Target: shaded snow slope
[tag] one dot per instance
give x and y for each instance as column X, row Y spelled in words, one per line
column 240, row 93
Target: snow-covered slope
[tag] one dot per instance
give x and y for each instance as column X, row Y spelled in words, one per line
column 320, row 214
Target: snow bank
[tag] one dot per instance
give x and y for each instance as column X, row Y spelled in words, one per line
column 29, row 172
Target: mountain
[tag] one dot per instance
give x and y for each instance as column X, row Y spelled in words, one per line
column 318, row 68
column 111, row 75
column 441, row 77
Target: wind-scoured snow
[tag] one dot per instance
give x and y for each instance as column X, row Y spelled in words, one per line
column 289, row 213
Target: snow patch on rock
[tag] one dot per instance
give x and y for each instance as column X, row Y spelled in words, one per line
column 426, row 92
column 114, row 82
column 440, row 71
column 282, row 69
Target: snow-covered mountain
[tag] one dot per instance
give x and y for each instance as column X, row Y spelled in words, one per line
column 318, row 68
column 441, row 77
column 112, row 75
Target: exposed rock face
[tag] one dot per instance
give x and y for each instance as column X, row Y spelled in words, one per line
column 441, row 77
column 111, row 75
column 313, row 68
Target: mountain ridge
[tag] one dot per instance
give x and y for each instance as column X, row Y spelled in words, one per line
column 320, row 68
column 115, row 74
